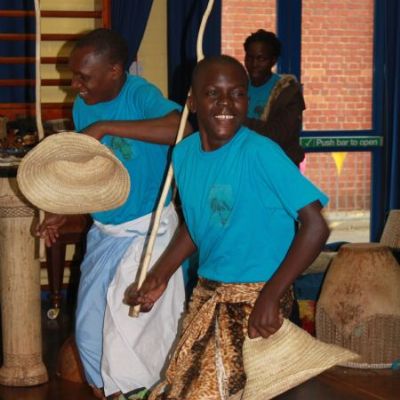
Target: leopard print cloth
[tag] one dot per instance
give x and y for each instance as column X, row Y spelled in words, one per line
column 207, row 363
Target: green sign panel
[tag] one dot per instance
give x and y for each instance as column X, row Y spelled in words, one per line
column 341, row 141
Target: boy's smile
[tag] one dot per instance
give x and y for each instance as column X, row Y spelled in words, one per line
column 219, row 97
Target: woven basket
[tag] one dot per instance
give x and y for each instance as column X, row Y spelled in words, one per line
column 391, row 233
column 359, row 305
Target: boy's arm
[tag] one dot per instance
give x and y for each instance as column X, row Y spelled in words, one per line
column 161, row 130
column 307, row 244
column 180, row 248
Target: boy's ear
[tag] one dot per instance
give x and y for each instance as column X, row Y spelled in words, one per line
column 191, row 103
column 117, row 70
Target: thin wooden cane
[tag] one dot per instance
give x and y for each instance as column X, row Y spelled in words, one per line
column 134, row 311
column 38, row 100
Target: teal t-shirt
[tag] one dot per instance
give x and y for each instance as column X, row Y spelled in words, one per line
column 146, row 162
column 240, row 202
column 259, row 95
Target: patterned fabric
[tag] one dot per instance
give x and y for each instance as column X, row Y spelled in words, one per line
column 207, row 363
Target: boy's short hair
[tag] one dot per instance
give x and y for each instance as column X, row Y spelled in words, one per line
column 107, row 43
column 269, row 38
column 221, row 59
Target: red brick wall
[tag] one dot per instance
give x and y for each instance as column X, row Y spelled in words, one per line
column 337, row 79
column 242, row 17
column 349, row 191
column 337, row 63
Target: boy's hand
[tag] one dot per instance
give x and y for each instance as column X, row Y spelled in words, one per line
column 151, row 290
column 265, row 318
column 49, row 228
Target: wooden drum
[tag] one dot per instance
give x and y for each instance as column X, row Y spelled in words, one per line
column 20, row 291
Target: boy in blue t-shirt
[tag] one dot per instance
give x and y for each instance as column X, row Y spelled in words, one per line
column 276, row 102
column 131, row 117
column 240, row 195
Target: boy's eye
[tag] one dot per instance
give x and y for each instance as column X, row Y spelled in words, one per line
column 239, row 93
column 211, row 92
column 83, row 78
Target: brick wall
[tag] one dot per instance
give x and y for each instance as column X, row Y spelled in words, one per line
column 337, row 79
column 242, row 17
column 337, row 63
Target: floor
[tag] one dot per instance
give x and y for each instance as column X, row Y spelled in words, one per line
column 335, row 384
column 54, row 333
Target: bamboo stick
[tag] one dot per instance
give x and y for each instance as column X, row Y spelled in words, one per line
column 134, row 311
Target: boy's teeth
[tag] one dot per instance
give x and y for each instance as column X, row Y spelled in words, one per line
column 224, row 116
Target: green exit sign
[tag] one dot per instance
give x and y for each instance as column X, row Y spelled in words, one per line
column 341, row 141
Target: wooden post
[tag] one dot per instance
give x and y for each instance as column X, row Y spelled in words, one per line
column 20, row 291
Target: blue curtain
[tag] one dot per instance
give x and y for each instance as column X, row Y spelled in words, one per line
column 129, row 18
column 386, row 180
column 392, row 103
column 184, row 18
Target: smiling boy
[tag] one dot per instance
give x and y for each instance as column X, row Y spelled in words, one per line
column 131, row 117
column 240, row 195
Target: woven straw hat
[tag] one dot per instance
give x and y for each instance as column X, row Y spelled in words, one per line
column 69, row 173
column 286, row 359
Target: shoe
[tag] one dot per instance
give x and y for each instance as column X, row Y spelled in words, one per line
column 116, row 396
column 137, row 394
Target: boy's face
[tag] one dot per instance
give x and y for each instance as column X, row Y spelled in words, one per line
column 219, row 97
column 93, row 77
column 259, row 62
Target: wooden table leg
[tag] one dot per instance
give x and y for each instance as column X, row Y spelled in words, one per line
column 20, row 292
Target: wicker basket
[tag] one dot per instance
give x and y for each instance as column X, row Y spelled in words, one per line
column 359, row 305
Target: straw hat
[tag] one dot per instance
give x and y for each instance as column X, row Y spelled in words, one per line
column 69, row 173
column 359, row 304
column 286, row 359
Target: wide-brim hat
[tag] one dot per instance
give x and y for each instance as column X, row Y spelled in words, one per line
column 286, row 359
column 70, row 173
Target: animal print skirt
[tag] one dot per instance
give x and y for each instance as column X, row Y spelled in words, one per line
column 207, row 363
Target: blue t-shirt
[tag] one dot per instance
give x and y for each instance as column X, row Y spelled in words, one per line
column 259, row 95
column 240, row 202
column 146, row 162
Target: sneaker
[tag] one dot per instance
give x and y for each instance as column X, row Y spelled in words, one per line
column 137, row 394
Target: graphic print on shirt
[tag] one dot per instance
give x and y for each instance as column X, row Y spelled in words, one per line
column 120, row 144
column 221, row 203
column 258, row 110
